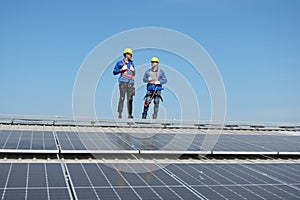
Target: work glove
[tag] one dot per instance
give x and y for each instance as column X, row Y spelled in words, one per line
column 124, row 68
column 149, row 79
column 157, row 82
column 131, row 68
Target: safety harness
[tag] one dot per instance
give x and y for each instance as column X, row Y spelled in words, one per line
column 124, row 73
column 157, row 75
column 146, row 103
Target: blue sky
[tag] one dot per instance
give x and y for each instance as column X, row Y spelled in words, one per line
column 254, row 43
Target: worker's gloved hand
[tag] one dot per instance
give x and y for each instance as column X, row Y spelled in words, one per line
column 151, row 81
column 131, row 68
column 124, row 68
column 156, row 82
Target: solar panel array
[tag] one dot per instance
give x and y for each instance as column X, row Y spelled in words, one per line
column 27, row 141
column 186, row 181
column 123, row 179
column 214, row 143
column 175, row 181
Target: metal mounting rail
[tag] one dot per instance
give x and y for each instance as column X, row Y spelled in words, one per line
column 132, row 123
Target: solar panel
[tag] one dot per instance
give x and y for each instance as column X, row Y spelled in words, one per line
column 237, row 143
column 33, row 181
column 266, row 144
column 92, row 142
column 164, row 142
column 172, row 143
column 102, row 181
column 27, row 141
column 186, row 181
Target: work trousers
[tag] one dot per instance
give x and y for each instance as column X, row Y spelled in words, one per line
column 128, row 90
column 148, row 98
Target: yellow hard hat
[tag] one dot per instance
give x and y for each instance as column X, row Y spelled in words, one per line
column 127, row 50
column 154, row 59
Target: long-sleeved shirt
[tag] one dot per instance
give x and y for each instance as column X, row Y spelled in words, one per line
column 157, row 75
column 122, row 77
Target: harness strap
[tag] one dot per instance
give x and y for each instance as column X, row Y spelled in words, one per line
column 124, row 74
column 146, row 103
column 157, row 75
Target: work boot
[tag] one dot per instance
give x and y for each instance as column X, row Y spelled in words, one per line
column 120, row 115
column 144, row 116
column 130, row 116
column 154, row 117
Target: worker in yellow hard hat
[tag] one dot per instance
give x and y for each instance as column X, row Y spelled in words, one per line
column 126, row 69
column 154, row 78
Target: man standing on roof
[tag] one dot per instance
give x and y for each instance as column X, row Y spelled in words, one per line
column 126, row 69
column 154, row 78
